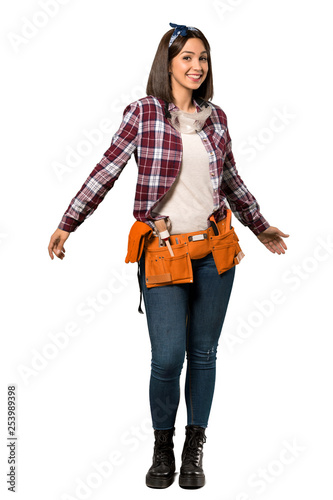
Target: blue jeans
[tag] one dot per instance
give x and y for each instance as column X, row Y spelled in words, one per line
column 185, row 318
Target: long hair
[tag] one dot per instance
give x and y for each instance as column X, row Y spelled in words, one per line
column 159, row 82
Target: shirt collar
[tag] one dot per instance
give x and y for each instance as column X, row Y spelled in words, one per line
column 172, row 106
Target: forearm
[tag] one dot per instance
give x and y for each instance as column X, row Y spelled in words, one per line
column 242, row 202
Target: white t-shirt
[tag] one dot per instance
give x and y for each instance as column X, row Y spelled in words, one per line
column 189, row 201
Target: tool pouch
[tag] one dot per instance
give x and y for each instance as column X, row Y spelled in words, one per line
column 140, row 231
column 226, row 250
column 162, row 269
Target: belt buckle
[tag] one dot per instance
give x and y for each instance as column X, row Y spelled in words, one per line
column 198, row 237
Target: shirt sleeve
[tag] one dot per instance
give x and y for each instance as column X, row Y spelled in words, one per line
column 242, row 203
column 106, row 172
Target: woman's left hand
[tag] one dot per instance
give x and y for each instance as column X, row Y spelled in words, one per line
column 272, row 240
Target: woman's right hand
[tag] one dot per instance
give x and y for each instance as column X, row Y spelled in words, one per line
column 56, row 244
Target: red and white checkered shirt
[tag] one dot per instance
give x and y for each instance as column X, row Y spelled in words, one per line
column 157, row 147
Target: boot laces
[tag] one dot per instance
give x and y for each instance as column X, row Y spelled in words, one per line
column 194, row 447
column 163, row 448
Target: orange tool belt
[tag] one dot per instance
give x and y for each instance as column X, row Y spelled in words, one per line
column 163, row 269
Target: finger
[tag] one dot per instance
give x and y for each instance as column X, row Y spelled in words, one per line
column 269, row 247
column 278, row 245
column 282, row 243
column 59, row 250
column 275, row 248
column 50, row 251
column 50, row 248
column 59, row 253
column 59, row 247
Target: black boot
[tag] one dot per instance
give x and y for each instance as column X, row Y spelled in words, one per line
column 161, row 473
column 191, row 472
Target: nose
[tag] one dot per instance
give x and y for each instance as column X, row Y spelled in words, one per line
column 197, row 65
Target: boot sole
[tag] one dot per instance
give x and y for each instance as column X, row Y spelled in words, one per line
column 191, row 482
column 157, row 482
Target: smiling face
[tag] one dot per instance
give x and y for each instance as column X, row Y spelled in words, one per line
column 189, row 68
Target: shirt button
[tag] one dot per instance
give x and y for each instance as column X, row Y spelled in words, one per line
column 212, row 174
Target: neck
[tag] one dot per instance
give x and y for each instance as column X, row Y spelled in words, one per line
column 183, row 100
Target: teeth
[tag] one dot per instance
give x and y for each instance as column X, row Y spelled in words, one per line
column 195, row 76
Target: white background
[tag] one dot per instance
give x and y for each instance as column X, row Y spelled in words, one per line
column 86, row 403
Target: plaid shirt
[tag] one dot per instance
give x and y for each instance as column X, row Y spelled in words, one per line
column 157, row 147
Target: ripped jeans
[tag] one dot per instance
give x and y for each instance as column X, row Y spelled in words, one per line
column 185, row 318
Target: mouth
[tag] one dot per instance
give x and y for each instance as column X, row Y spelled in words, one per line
column 194, row 78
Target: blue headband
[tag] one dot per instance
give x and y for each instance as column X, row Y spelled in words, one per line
column 180, row 29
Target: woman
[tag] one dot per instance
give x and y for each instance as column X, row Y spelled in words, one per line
column 186, row 169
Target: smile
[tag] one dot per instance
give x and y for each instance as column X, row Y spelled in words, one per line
column 194, row 78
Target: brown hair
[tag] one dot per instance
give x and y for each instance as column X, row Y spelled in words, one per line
column 159, row 84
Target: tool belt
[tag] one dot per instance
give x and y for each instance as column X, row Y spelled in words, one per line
column 163, row 269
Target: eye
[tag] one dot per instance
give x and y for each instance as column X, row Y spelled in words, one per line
column 203, row 58
column 186, row 57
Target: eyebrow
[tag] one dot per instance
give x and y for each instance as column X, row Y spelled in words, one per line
column 189, row 52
